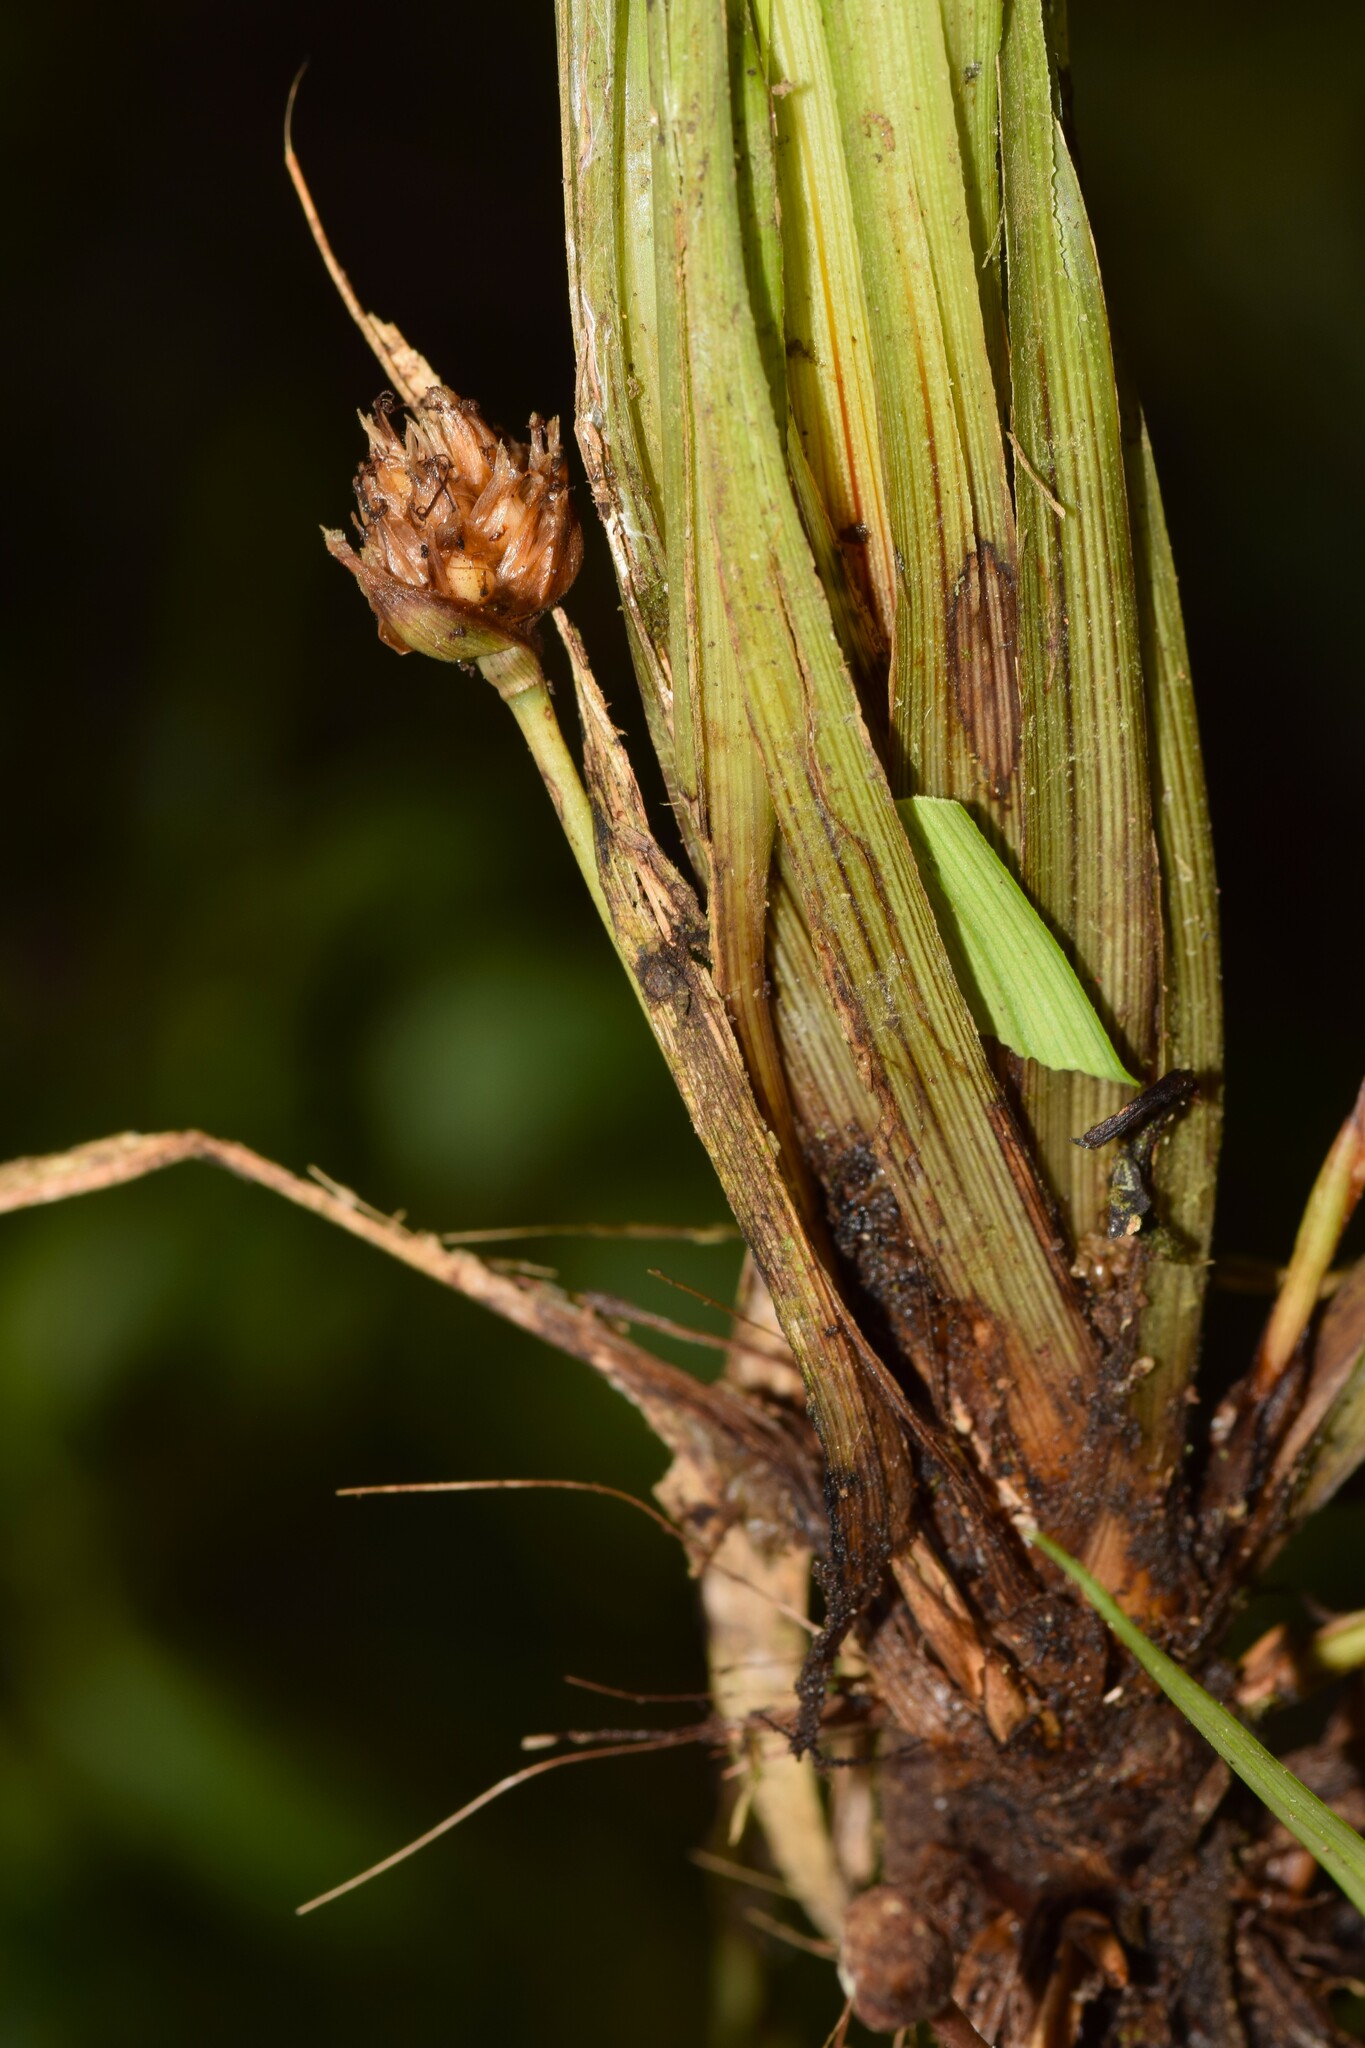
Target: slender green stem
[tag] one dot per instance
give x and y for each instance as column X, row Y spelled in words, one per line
column 1335, row 1193
column 519, row 679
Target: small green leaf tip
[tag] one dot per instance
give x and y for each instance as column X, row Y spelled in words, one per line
column 1337, row 1847
column 1018, row 982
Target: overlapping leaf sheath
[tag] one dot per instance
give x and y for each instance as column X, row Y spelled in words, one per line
column 954, row 701
column 1191, row 1026
column 1088, row 859
column 835, row 438
column 635, row 430
column 946, row 1141
column 719, row 767
column 972, row 32
column 790, row 373
column 660, row 933
column 611, row 300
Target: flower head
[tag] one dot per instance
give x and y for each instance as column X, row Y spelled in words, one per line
column 466, row 536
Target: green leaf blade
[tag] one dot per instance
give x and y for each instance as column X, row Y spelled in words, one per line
column 1018, row 982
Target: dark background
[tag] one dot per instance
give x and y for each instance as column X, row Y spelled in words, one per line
column 262, row 878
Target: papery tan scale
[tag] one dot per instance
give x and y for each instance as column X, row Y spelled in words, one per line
column 466, row 537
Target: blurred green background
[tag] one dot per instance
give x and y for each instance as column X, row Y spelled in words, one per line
column 262, row 878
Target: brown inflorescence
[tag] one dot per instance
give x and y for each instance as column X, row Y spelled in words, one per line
column 466, row 536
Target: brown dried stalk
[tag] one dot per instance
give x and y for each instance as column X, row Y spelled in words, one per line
column 735, row 1445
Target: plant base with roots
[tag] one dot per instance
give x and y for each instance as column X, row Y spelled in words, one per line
column 1098, row 1876
column 1087, row 1875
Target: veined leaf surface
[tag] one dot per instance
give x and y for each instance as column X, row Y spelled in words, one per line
column 1018, row 982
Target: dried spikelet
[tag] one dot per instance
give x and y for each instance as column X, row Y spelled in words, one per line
column 466, row 536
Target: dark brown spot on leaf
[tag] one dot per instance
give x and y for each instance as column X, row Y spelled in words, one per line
column 981, row 662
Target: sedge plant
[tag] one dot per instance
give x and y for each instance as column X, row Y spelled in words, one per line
column 928, row 939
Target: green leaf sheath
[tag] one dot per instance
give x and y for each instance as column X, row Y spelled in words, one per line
column 760, row 209
column 857, row 629
column 627, row 319
column 954, row 694
column 631, row 210
column 677, row 465
column 835, row 428
column 657, row 923
column 1089, row 860
column 1018, row 981
column 722, row 770
column 1337, row 1847
column 972, row 32
column 1186, row 1164
column 948, row 1143
column 604, row 99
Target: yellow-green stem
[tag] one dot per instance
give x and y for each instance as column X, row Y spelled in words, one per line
column 519, row 679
